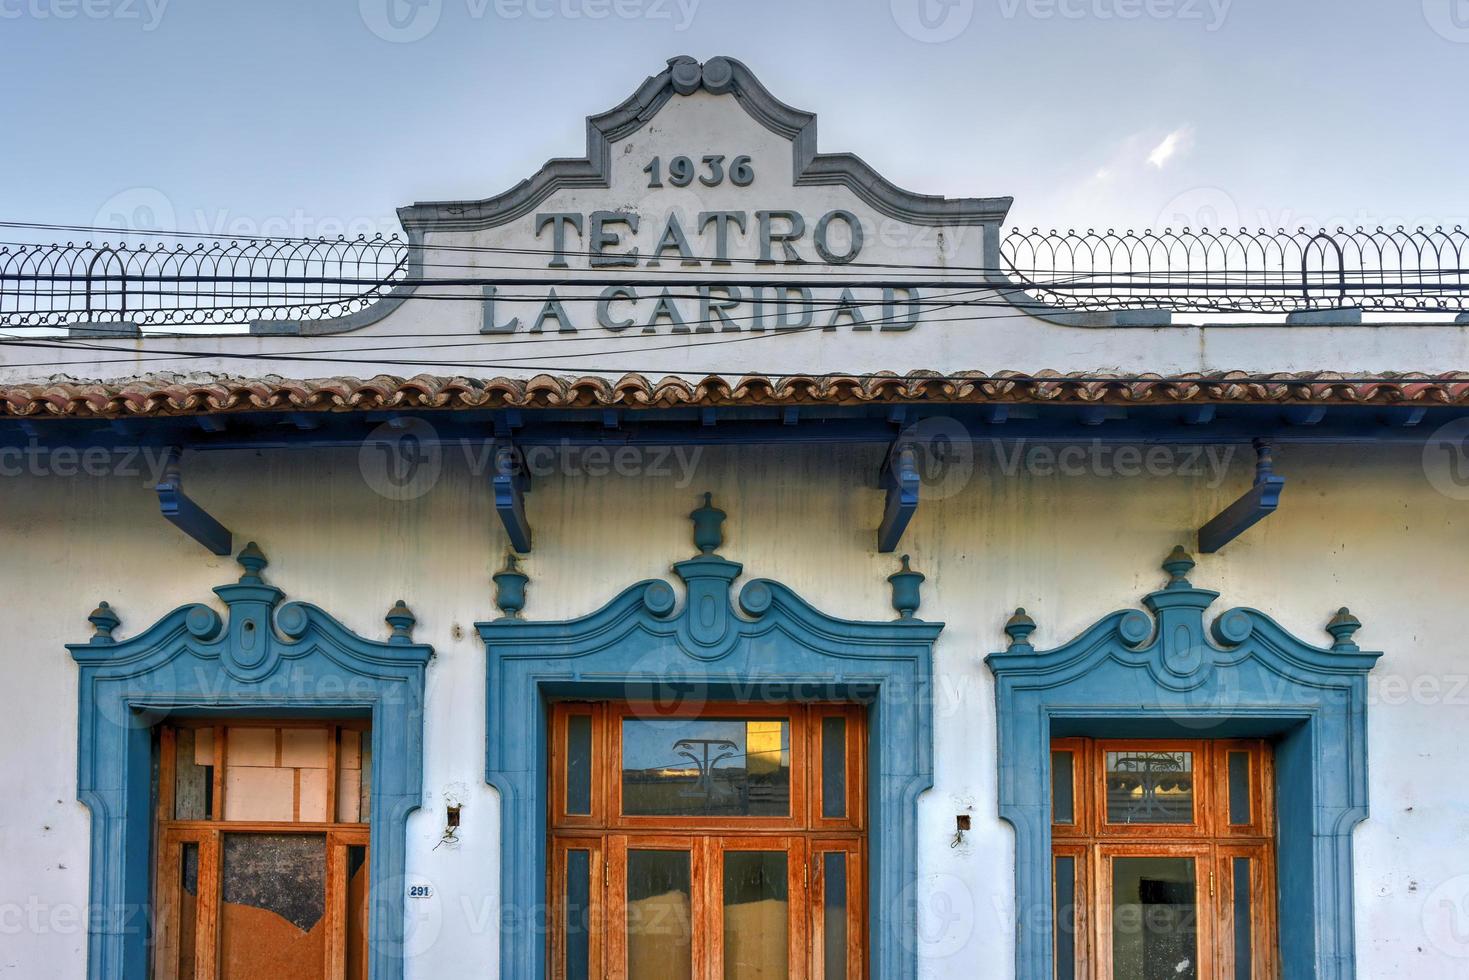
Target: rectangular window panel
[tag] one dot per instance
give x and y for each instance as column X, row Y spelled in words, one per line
column 1154, row 919
column 660, row 934
column 579, row 764
column 756, row 915
column 272, row 915
column 707, row 767
column 193, row 774
column 577, row 913
column 1065, row 918
column 1244, row 944
column 1150, row 787
column 188, row 908
column 834, row 915
column 833, row 767
column 1063, row 788
column 1239, row 788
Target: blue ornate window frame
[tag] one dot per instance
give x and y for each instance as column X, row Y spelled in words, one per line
column 1132, row 676
column 258, row 660
column 639, row 646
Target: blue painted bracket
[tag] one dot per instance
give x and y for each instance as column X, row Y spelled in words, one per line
column 511, row 483
column 901, row 481
column 186, row 515
column 1258, row 503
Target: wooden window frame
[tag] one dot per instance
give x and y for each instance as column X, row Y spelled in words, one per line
column 1092, row 842
column 171, row 834
column 804, row 835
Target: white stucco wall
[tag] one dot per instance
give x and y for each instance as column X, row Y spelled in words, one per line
column 1359, row 527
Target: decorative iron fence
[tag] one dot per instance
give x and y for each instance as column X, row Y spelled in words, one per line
column 214, row 283
column 1221, row 271
column 1242, row 272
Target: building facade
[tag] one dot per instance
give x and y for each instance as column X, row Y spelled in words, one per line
column 708, row 559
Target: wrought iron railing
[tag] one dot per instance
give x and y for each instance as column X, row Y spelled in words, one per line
column 214, row 283
column 1241, row 272
column 1221, row 271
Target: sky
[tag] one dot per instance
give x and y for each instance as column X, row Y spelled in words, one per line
column 306, row 118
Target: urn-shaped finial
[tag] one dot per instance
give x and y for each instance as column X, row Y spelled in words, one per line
column 104, row 621
column 1178, row 564
column 1342, row 626
column 401, row 619
column 708, row 526
column 905, row 582
column 1019, row 627
column 252, row 560
column 510, row 587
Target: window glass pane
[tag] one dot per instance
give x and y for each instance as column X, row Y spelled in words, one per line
column 660, row 936
column 188, row 908
column 1239, row 788
column 834, row 915
column 577, row 914
column 272, row 914
column 579, row 764
column 193, row 774
column 833, row 766
column 1065, row 884
column 1150, row 787
column 756, row 915
column 1063, row 788
column 1244, row 967
column 717, row 767
column 1154, row 919
column 356, row 941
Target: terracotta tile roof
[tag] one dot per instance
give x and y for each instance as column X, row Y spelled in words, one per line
column 165, row 395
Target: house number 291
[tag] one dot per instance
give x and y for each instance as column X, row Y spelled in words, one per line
column 682, row 170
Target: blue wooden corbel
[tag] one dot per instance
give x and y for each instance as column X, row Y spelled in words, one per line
column 901, row 481
column 1257, row 504
column 188, row 516
column 510, row 484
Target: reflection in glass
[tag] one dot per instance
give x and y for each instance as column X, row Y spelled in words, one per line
column 577, row 914
column 660, row 935
column 579, row 764
column 1239, row 788
column 1244, row 945
column 834, row 915
column 833, row 767
column 711, row 767
column 272, row 919
column 1066, row 918
column 1063, row 789
column 1150, row 787
column 188, row 908
column 1154, row 919
column 756, row 916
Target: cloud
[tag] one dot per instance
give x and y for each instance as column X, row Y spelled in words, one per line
column 1172, row 144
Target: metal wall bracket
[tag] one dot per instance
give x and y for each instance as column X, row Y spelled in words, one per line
column 1257, row 504
column 901, row 481
column 186, row 515
column 510, row 483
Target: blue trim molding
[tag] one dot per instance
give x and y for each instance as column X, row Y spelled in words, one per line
column 1138, row 676
column 776, row 646
column 261, row 659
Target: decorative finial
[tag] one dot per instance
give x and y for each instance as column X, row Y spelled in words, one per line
column 105, row 621
column 1177, row 565
column 510, row 587
column 1019, row 627
column 905, row 583
column 401, row 619
column 1341, row 628
column 252, row 559
column 708, row 533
